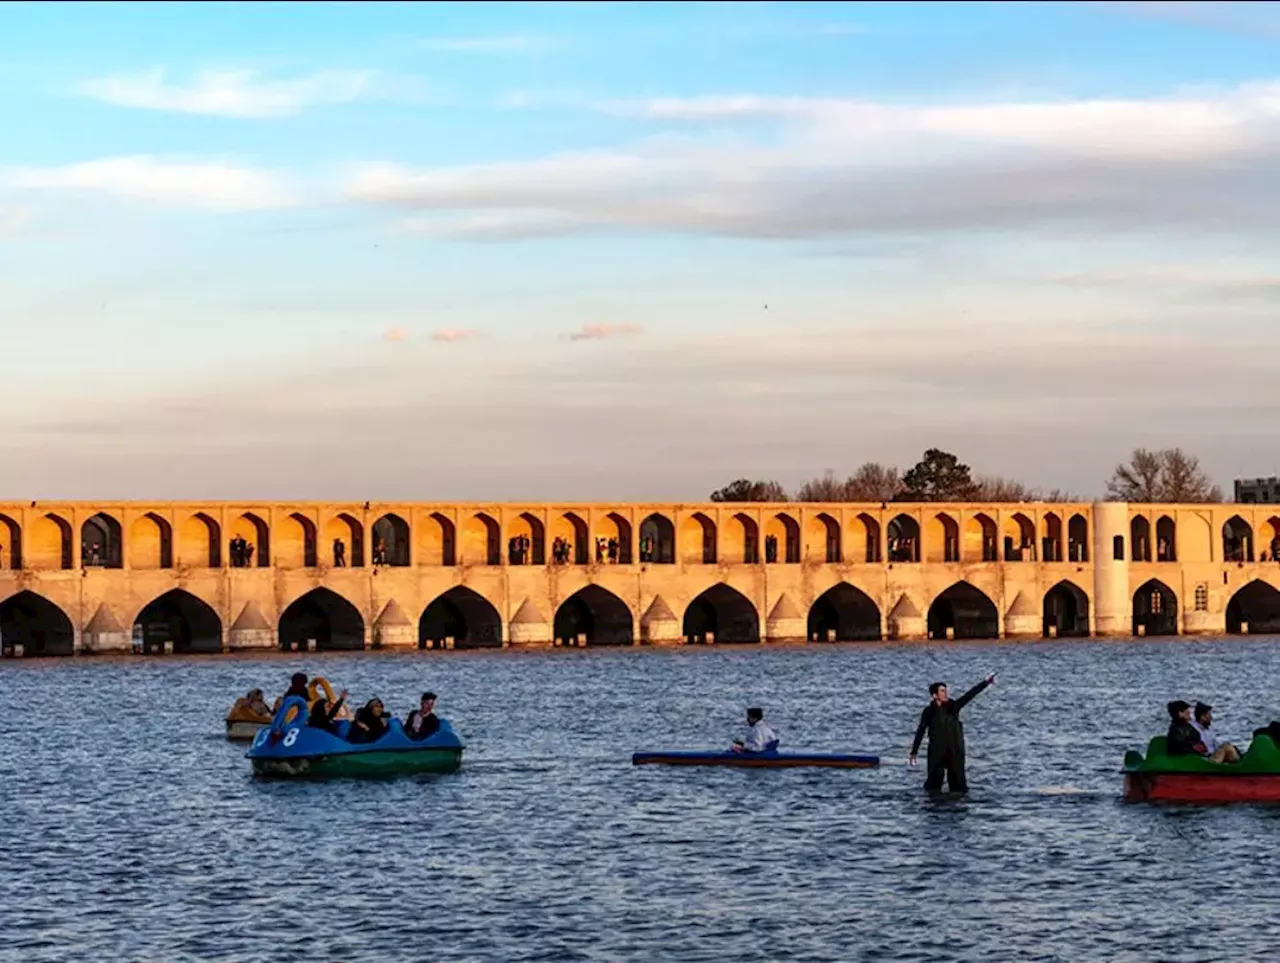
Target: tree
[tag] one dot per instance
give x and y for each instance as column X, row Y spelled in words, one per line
column 1168, row 475
column 872, row 482
column 993, row 488
column 828, row 488
column 938, row 477
column 746, row 490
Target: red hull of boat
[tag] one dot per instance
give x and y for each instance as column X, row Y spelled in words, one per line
column 1195, row 788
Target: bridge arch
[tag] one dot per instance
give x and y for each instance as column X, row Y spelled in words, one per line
column 725, row 614
column 345, row 531
column 1139, row 539
column 824, row 531
column 391, row 541
column 1254, row 609
column 596, row 613
column 36, row 624
column 438, row 541
column 1166, row 539
column 322, row 616
column 980, row 539
column 1155, row 609
column 481, row 540
column 49, row 543
column 903, row 534
column 150, row 542
column 179, row 617
column 200, row 542
column 967, row 611
column 1066, row 610
column 10, row 543
column 101, row 544
column 464, row 615
column 846, row 611
column 1237, row 540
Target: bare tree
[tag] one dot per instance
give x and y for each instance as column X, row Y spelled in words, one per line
column 993, row 488
column 828, row 488
column 1168, row 475
column 873, row 482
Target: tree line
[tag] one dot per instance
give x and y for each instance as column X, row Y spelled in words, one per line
column 1169, row 475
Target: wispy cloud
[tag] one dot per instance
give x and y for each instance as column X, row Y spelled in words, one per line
column 451, row 335
column 248, row 94
column 598, row 332
column 395, row 334
column 199, row 184
column 13, row 222
column 1208, row 159
column 1260, row 18
column 500, row 44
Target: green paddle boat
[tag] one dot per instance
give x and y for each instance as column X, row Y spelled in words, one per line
column 1160, row 777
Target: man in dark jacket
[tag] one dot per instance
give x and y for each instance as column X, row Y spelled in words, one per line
column 1183, row 739
column 941, row 720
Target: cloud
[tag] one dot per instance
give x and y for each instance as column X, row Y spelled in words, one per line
column 450, row 335
column 714, row 408
column 14, row 222
column 501, row 44
column 213, row 186
column 1260, row 18
column 395, row 334
column 1204, row 161
column 598, row 332
column 246, row 93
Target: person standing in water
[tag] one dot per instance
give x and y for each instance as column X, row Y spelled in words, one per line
column 941, row 720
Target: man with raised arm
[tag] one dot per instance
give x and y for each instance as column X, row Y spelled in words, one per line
column 941, row 720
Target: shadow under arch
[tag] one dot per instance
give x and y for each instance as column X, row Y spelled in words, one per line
column 1155, row 609
column 36, row 624
column 464, row 615
column 1254, row 610
column 597, row 614
column 1066, row 610
column 179, row 617
column 966, row 611
column 324, row 616
column 725, row 614
column 847, row 612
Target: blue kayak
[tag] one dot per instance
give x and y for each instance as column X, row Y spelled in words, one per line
column 756, row 760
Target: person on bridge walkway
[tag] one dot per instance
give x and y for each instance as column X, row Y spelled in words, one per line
column 941, row 720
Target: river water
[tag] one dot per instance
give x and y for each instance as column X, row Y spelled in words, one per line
column 132, row 831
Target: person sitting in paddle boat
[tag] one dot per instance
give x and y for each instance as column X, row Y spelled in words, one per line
column 760, row 738
column 422, row 721
column 252, row 704
column 297, row 687
column 1195, row 735
column 325, row 716
column 370, row 723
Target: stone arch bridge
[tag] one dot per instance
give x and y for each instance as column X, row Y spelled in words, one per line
column 80, row 577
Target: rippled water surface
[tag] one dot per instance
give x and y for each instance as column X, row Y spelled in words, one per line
column 132, row 831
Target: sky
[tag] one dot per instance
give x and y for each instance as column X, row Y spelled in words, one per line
column 628, row 251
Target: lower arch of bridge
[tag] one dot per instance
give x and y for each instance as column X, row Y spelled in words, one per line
column 966, row 611
column 1155, row 609
column 724, row 613
column 325, row 617
column 36, row 624
column 463, row 615
column 596, row 613
column 847, row 611
column 1066, row 609
column 181, row 618
column 1254, row 609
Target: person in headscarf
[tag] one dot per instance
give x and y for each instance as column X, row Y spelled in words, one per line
column 941, row 720
column 324, row 716
column 370, row 723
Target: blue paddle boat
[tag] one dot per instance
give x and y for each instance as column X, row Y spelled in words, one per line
column 769, row 759
column 289, row 747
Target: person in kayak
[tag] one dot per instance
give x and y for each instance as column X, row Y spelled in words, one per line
column 760, row 738
column 1202, row 721
column 422, row 721
column 941, row 720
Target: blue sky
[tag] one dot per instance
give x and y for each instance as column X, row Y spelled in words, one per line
column 624, row 250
